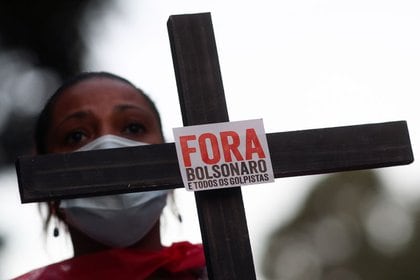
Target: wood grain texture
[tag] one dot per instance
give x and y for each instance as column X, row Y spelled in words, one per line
column 336, row 149
column 221, row 212
column 144, row 168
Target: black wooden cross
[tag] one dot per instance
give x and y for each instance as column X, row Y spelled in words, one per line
column 221, row 212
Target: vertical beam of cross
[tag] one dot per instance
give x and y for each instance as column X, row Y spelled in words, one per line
column 221, row 212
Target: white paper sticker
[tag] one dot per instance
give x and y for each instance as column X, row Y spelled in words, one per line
column 223, row 155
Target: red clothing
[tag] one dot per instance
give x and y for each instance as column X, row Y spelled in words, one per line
column 179, row 261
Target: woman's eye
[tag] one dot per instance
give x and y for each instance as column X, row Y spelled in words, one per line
column 134, row 128
column 75, row 137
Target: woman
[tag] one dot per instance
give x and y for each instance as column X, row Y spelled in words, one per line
column 118, row 236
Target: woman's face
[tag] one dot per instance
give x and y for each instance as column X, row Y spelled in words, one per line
column 100, row 106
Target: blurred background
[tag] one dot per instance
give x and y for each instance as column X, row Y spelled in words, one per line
column 296, row 64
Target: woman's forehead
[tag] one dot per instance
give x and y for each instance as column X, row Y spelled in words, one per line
column 100, row 90
column 101, row 85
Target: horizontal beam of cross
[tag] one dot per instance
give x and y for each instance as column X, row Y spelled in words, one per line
column 145, row 168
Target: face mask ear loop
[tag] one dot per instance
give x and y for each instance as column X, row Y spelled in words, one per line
column 54, row 207
column 174, row 207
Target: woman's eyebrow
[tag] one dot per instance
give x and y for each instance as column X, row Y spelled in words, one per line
column 123, row 107
column 76, row 115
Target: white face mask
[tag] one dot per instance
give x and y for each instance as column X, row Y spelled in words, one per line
column 110, row 141
column 115, row 220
